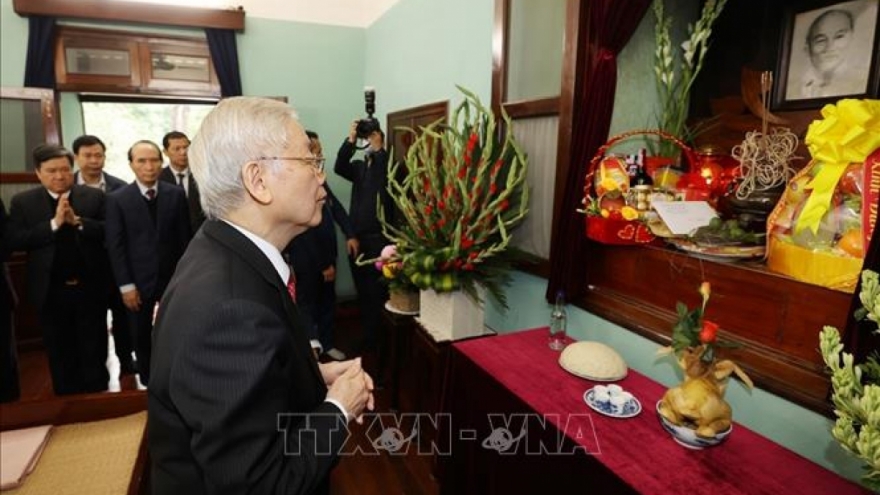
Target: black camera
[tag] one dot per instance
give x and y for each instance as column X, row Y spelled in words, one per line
column 368, row 125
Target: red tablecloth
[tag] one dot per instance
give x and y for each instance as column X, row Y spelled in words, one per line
column 638, row 450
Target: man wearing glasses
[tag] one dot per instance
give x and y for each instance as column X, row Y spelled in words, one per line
column 237, row 402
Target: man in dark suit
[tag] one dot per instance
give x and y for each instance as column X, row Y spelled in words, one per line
column 237, row 402
column 61, row 226
column 147, row 232
column 90, row 154
column 10, row 389
column 368, row 177
column 177, row 171
column 313, row 258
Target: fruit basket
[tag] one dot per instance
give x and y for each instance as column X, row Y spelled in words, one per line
column 609, row 220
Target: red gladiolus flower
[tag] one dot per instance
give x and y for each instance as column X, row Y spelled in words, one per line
column 441, row 204
column 493, row 189
column 467, row 243
column 709, row 333
column 462, row 172
column 441, row 223
column 504, row 205
column 472, row 142
column 468, row 266
column 428, row 209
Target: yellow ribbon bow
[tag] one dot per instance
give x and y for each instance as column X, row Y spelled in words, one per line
column 848, row 133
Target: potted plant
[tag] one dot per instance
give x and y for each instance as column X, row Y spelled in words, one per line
column 856, row 388
column 462, row 193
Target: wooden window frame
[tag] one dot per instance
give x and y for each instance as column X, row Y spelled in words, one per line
column 140, row 47
column 51, row 126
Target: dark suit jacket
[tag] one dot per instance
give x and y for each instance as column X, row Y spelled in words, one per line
column 230, row 354
column 196, row 215
column 142, row 253
column 29, row 230
column 111, row 182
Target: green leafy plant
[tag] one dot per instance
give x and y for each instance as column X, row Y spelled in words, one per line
column 856, row 388
column 463, row 191
column 676, row 72
column 693, row 331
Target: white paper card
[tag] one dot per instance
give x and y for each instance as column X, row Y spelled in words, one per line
column 683, row 217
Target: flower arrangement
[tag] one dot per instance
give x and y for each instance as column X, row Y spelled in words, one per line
column 674, row 83
column 391, row 266
column 856, row 388
column 695, row 333
column 463, row 191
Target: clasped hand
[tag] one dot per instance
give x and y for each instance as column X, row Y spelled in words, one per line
column 350, row 385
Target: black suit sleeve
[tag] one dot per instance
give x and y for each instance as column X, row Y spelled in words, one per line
column 93, row 227
column 344, row 167
column 116, row 241
column 240, row 442
column 339, row 214
column 25, row 236
column 184, row 230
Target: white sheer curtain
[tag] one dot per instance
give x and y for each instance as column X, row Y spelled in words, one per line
column 538, row 137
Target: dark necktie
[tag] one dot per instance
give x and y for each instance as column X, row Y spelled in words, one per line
column 151, row 194
column 180, row 178
column 291, row 286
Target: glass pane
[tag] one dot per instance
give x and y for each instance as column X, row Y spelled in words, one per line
column 119, row 125
column 97, row 61
column 22, row 124
column 180, row 67
column 535, row 43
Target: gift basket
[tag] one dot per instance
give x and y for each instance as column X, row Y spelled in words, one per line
column 614, row 202
column 820, row 229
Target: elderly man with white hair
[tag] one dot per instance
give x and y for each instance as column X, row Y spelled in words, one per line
column 237, row 401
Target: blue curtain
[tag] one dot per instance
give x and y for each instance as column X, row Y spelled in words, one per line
column 224, row 54
column 40, row 69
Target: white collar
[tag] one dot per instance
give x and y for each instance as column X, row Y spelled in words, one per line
column 268, row 249
column 144, row 188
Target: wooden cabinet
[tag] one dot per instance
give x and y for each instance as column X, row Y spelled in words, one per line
column 111, row 61
column 776, row 319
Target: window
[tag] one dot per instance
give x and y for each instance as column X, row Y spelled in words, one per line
column 121, row 123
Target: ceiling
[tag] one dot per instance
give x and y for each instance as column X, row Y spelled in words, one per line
column 354, row 13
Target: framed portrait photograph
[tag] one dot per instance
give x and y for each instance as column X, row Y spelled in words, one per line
column 828, row 51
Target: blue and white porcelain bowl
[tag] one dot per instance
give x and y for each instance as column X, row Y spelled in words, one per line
column 687, row 437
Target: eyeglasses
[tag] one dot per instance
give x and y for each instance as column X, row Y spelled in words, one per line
column 315, row 161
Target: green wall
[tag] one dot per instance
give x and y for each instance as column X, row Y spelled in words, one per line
column 413, row 55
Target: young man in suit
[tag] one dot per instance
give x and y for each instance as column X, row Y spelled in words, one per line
column 90, row 154
column 177, row 172
column 147, row 233
column 61, row 226
column 313, row 258
column 237, row 402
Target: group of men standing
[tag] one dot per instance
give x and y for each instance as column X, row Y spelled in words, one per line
column 94, row 242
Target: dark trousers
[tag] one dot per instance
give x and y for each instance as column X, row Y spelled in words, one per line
column 120, row 326
column 141, row 323
column 74, row 323
column 372, row 293
column 317, row 300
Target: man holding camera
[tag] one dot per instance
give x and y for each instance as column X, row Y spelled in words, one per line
column 368, row 178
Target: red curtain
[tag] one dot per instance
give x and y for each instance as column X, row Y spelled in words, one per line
column 605, row 28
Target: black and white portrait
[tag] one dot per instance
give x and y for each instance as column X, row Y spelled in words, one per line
column 828, row 52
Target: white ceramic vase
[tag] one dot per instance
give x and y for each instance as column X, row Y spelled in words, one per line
column 450, row 315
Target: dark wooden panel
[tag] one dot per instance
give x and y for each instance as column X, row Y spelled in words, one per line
column 168, row 15
column 776, row 319
column 27, row 327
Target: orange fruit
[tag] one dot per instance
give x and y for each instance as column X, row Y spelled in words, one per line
column 852, row 243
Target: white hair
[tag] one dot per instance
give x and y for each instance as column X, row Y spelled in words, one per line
column 237, row 131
